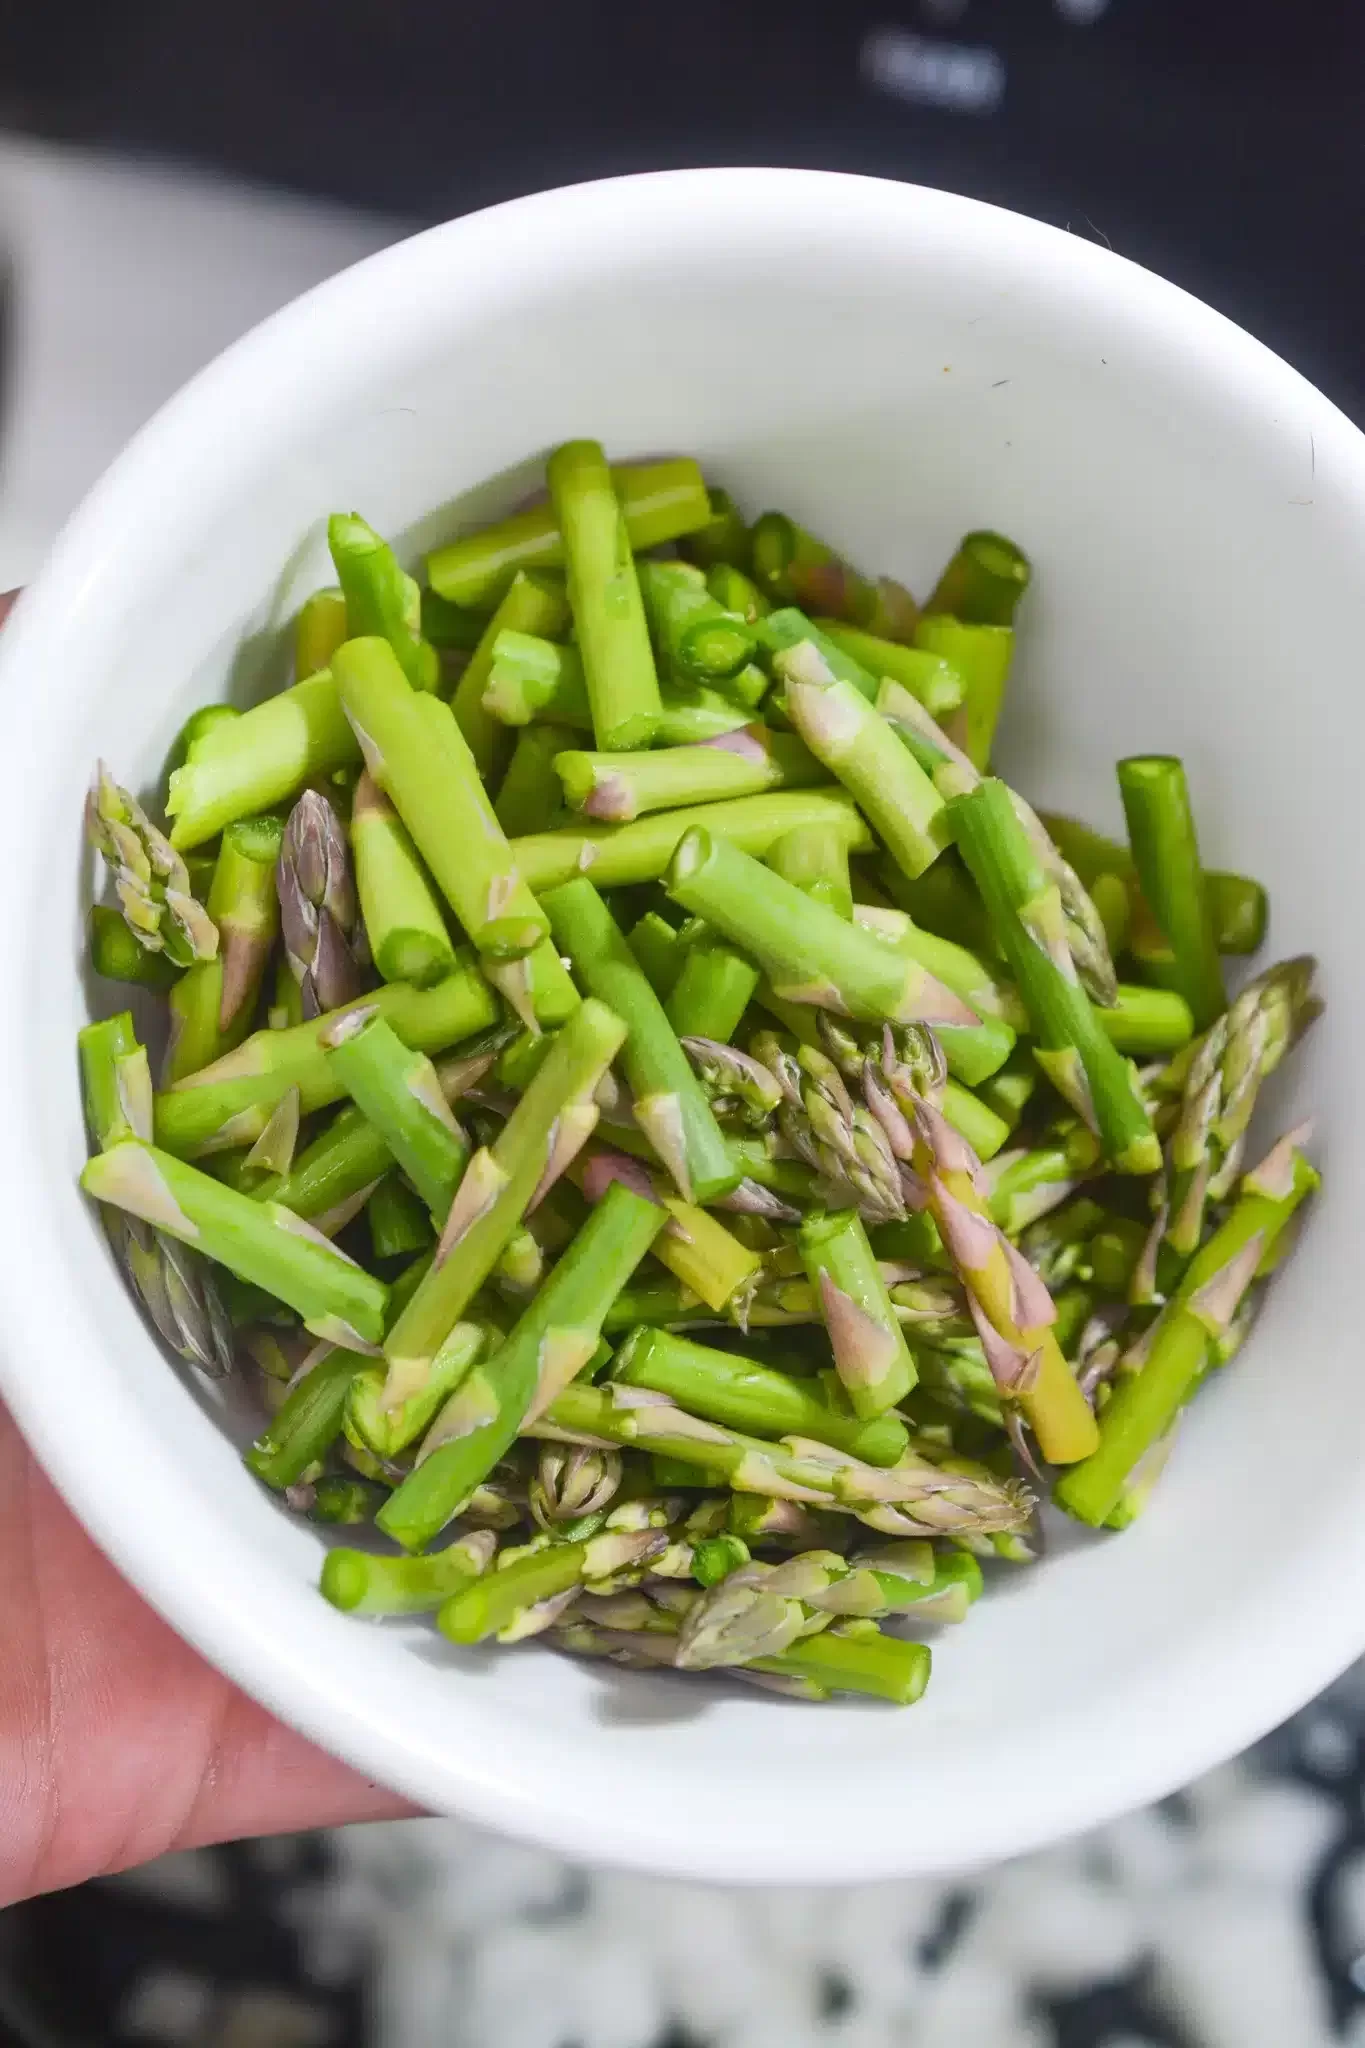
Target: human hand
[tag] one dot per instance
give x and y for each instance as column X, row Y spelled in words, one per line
column 117, row 1741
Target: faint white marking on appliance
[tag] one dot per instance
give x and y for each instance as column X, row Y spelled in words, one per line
column 960, row 78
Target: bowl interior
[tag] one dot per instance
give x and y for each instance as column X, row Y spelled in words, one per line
column 891, row 367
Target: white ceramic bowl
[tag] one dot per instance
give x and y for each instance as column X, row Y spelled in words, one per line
column 893, row 365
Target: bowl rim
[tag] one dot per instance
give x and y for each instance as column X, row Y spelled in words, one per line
column 1231, row 1692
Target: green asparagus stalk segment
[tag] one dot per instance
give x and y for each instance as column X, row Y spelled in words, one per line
column 304, row 1429
column 617, row 856
column 539, row 1140
column 809, row 953
column 196, row 725
column 451, row 628
column 953, row 965
column 530, row 1591
column 670, row 1106
column 381, row 600
column 855, row 1660
column 531, row 797
column 928, row 677
column 249, row 764
column 858, row 746
column 701, row 640
column 1147, row 1023
column 397, row 1089
column 533, row 611
column 400, row 1222
column 814, row 859
column 348, row 1503
column 1239, row 906
column 552, row 1342
column 736, row 592
column 319, row 629
column 213, row 1003
column 385, row 1417
column 723, row 539
column 1165, row 845
column 983, row 582
column 661, row 501
column 259, row 1241
column 359, row 1583
column 333, row 1178
column 604, row 591
column 403, row 921
column 616, row 788
column 116, row 954
column 150, row 878
column 795, row 568
column 230, row 1102
column 659, row 952
column 530, row 679
column 116, row 1081
column 1026, row 911
column 954, row 775
column 742, row 1394
column 1145, row 1402
column 871, row 1355
column 711, row 993
column 927, row 1499
column 981, row 654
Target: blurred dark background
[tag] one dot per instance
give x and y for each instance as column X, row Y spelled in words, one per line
column 1218, row 142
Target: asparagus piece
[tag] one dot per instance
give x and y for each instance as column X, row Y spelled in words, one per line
column 1026, row 911
column 150, row 879
column 1161, row 830
column 319, row 914
column 417, row 755
column 246, row 765
column 1147, row 1399
column 359, row 1583
column 539, row 1140
column 934, row 681
column 1217, row 1081
column 809, row 953
column 736, row 592
column 855, row 1660
column 196, row 725
column 333, row 1178
column 1147, row 1023
column 1007, row 1094
column 945, row 901
column 397, row 1089
column 711, row 1263
column 320, row 626
column 531, row 797
column 530, row 679
column 400, row 1224
column 259, row 1241
column 231, row 1102
column 954, row 775
column 604, row 592
column 380, row 599
column 953, row 965
column 534, row 605
column 1011, row 1308
column 176, row 1286
column 386, row 1419
column 724, row 538
column 871, row 1355
column 928, row 1499
column 711, row 993
column 619, row 787
column 981, row 654
column 403, row 921
column 983, row 582
column 814, row 859
column 661, row 502
column 527, row 1595
column 670, row 1106
column 303, row 1430
column 795, row 568
column 743, row 1394
column 859, row 747
column 116, row 954
column 658, row 951
column 552, row 1342
column 572, row 1483
column 1239, row 905
column 699, row 638
column 619, row 855
column 343, row 1502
